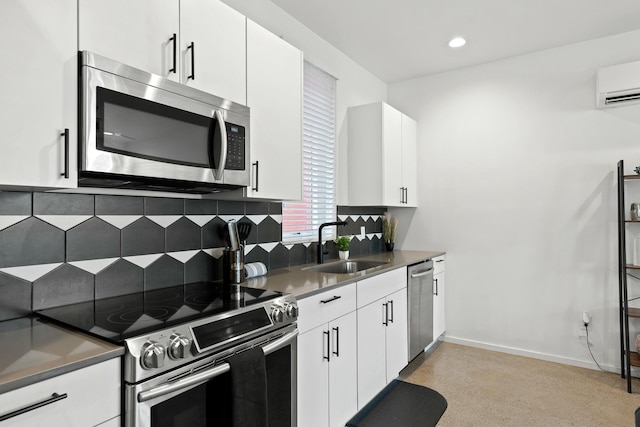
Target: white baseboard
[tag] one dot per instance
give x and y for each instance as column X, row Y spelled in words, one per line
column 532, row 354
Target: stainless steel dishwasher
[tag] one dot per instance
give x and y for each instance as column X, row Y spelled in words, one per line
column 420, row 296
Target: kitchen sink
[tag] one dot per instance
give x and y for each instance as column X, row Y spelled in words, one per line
column 345, row 267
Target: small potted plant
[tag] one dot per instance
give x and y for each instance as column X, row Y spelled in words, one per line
column 389, row 226
column 343, row 243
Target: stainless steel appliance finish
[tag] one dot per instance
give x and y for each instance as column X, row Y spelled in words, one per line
column 142, row 131
column 420, row 297
column 142, row 398
column 165, row 349
column 178, row 344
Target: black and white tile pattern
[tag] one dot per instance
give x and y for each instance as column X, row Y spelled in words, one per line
column 58, row 248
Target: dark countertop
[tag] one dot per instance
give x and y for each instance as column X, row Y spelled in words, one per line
column 34, row 350
column 303, row 283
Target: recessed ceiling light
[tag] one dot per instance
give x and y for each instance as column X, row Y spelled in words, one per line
column 457, row 42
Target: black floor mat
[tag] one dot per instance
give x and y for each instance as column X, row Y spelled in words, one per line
column 401, row 404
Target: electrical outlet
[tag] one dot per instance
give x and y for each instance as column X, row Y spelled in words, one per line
column 582, row 332
column 585, row 317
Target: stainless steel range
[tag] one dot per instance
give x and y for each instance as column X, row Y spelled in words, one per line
column 181, row 344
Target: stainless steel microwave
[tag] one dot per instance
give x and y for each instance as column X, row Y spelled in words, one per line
column 143, row 131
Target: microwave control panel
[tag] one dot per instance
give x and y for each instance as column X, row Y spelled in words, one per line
column 235, row 147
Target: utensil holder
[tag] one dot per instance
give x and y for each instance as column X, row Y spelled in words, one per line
column 233, row 266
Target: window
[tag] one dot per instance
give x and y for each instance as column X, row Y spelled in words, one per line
column 301, row 219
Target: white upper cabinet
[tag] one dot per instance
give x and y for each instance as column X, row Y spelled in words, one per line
column 213, row 46
column 274, row 94
column 409, row 161
column 200, row 43
column 382, row 157
column 39, row 93
column 135, row 32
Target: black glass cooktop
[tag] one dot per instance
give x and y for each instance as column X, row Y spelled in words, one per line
column 118, row 318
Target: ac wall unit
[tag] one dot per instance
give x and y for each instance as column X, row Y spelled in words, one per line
column 618, row 85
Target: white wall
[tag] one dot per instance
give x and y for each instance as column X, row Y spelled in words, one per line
column 517, row 184
column 355, row 85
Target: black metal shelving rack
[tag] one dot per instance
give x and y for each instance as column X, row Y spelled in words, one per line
column 628, row 357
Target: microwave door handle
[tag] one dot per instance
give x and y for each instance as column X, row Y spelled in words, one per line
column 218, row 173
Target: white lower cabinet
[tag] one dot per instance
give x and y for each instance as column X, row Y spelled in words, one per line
column 87, row 397
column 327, row 382
column 382, row 332
column 438, row 297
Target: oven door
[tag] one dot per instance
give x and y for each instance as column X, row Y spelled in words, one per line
column 136, row 129
column 200, row 394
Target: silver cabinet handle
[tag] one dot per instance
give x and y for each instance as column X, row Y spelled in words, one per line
column 337, row 331
column 435, row 281
column 203, row 376
column 421, row 274
column 391, row 319
column 223, row 149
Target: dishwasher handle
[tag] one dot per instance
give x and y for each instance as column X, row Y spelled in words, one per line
column 421, row 274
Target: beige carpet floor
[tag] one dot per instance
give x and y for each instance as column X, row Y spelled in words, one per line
column 488, row 388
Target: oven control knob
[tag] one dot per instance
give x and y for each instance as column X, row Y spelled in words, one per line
column 277, row 314
column 291, row 310
column 152, row 355
column 179, row 346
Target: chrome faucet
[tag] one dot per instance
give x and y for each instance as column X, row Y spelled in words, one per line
column 320, row 247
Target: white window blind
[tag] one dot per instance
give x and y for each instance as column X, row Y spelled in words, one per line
column 301, row 219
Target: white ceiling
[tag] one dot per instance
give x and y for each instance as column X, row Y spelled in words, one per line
column 401, row 39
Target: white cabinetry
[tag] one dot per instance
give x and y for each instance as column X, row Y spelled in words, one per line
column 134, row 32
column 274, row 94
column 200, row 43
column 327, row 382
column 438, row 297
column 39, row 93
column 218, row 35
column 382, row 331
column 382, row 156
column 87, row 397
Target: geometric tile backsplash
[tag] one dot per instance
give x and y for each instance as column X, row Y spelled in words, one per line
column 58, row 248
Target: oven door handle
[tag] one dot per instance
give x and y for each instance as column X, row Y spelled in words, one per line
column 203, row 376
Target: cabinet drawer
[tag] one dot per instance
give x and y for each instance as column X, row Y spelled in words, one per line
column 92, row 397
column 438, row 264
column 324, row 307
column 374, row 288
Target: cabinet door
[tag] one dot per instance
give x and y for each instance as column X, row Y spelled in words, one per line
column 409, row 160
column 274, row 94
column 438, row 305
column 392, row 155
column 397, row 342
column 218, row 34
column 134, row 32
column 92, row 396
column 371, row 351
column 343, row 380
column 313, row 385
column 39, row 92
